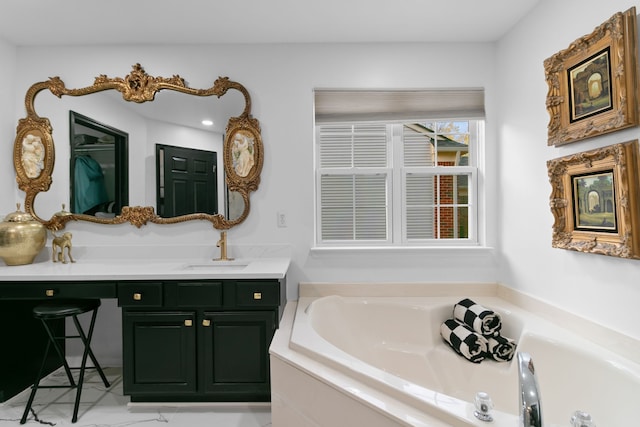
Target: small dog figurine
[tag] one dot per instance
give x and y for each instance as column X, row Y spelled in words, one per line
column 58, row 246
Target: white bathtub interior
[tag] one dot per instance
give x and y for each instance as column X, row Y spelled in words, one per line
column 393, row 343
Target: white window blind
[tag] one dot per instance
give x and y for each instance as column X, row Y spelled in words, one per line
column 420, row 214
column 418, row 151
column 354, row 177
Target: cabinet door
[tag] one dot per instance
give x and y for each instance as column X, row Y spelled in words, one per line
column 159, row 352
column 236, row 354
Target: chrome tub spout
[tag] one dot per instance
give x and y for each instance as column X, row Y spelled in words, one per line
column 530, row 406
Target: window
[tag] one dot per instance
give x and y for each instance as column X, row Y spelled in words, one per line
column 397, row 182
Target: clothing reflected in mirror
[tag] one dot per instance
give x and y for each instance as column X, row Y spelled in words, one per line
column 99, row 167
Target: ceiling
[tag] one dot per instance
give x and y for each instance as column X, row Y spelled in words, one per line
column 154, row 22
column 92, row 22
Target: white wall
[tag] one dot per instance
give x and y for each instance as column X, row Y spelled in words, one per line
column 281, row 79
column 8, row 122
column 602, row 288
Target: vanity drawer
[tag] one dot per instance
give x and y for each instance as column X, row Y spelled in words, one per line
column 140, row 294
column 257, row 294
column 194, row 294
column 42, row 290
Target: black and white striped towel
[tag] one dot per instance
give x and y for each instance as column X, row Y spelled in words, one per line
column 480, row 319
column 501, row 349
column 467, row 343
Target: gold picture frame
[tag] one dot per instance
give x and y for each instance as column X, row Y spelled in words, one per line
column 594, row 201
column 593, row 83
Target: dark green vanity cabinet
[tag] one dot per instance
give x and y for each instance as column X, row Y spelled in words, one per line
column 198, row 340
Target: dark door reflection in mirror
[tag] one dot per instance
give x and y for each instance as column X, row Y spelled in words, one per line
column 99, row 183
column 186, row 181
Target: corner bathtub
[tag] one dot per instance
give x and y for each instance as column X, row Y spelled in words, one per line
column 387, row 352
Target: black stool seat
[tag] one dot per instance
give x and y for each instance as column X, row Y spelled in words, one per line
column 60, row 309
column 64, row 308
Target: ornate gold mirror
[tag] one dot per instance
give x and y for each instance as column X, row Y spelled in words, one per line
column 242, row 149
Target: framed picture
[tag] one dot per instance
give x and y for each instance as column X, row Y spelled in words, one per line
column 594, row 201
column 593, row 83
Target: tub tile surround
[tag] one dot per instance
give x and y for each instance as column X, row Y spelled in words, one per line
column 294, row 371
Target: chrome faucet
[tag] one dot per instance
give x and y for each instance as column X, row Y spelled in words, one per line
column 530, row 410
column 222, row 244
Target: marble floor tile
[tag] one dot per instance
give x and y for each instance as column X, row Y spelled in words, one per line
column 100, row 407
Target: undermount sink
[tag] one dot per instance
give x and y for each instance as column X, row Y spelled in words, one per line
column 225, row 265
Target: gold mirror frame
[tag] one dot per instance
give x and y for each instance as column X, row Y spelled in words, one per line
column 34, row 162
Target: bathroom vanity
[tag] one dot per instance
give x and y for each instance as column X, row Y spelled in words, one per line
column 193, row 329
column 190, row 331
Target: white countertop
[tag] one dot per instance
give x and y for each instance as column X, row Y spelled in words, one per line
column 122, row 264
column 259, row 268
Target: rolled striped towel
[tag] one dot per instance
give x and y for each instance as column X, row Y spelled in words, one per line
column 501, row 349
column 480, row 319
column 467, row 343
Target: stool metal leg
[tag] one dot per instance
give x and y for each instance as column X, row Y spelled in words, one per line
column 86, row 340
column 35, row 385
column 54, row 341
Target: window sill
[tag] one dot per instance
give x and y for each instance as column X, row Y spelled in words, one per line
column 321, row 251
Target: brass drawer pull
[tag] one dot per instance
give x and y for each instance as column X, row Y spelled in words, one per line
column 257, row 295
column 206, row 322
column 188, row 322
column 49, row 292
column 137, row 296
